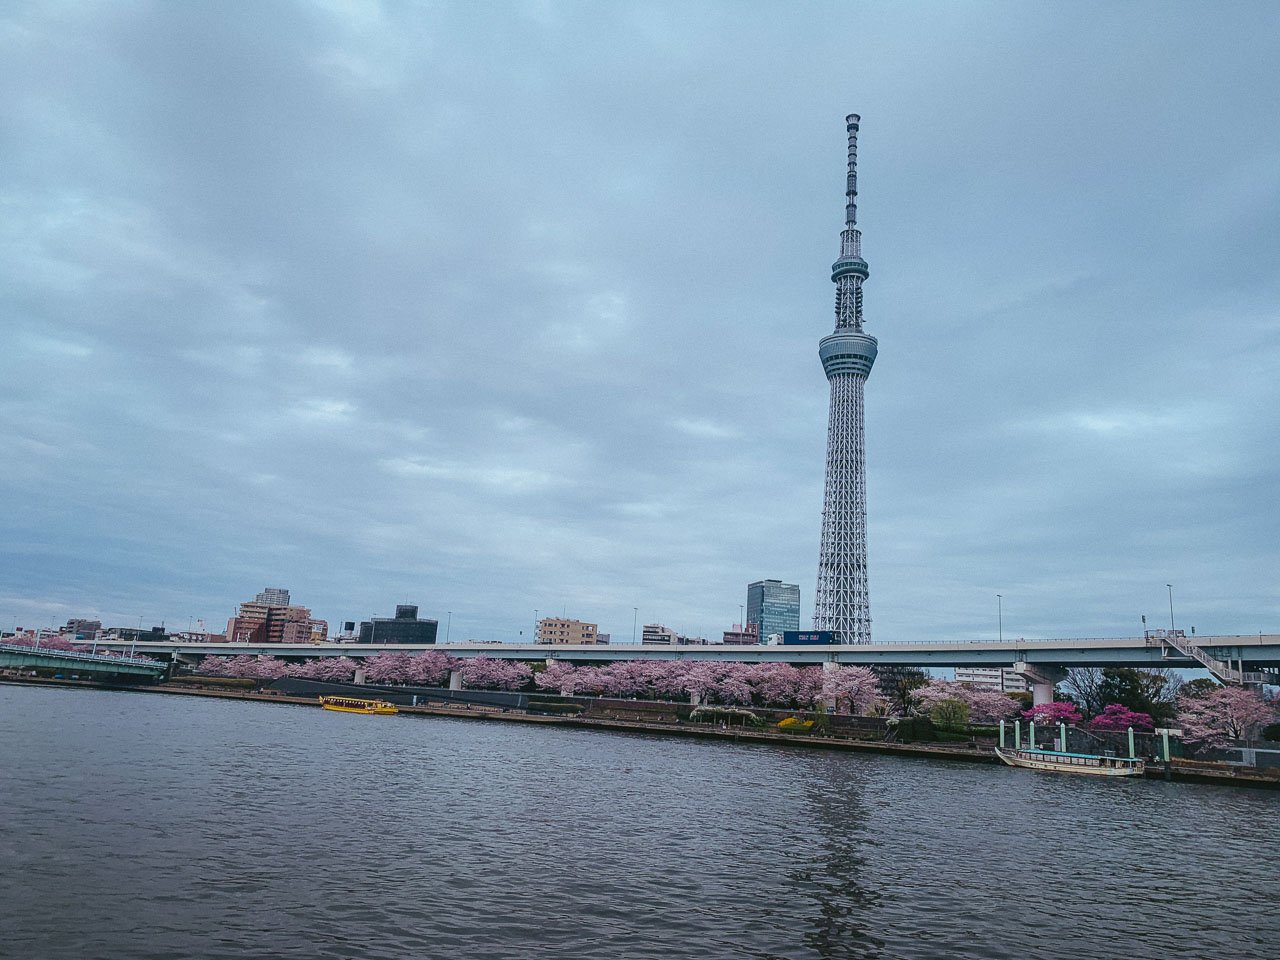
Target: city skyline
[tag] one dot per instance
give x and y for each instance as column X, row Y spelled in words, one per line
column 389, row 305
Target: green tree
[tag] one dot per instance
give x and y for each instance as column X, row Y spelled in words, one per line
column 896, row 684
column 1153, row 692
column 952, row 714
column 1198, row 688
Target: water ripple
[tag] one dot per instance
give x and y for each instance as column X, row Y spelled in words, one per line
column 153, row 827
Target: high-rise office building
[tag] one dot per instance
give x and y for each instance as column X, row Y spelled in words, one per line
column 773, row 607
column 840, row 603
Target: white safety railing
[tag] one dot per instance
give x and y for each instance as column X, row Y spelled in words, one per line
column 80, row 656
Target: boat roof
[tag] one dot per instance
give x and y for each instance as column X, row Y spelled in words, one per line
column 1087, row 756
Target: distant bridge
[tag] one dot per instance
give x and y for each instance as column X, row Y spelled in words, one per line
column 17, row 656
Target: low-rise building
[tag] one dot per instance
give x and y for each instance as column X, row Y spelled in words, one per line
column 404, row 627
column 562, row 631
column 80, row 630
column 656, row 633
column 741, row 634
column 992, row 678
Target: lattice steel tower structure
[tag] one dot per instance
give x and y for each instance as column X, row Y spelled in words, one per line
column 841, row 603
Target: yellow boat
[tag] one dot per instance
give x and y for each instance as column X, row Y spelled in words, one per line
column 352, row 705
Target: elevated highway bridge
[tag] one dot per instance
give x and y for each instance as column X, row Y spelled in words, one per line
column 1250, row 654
column 16, row 656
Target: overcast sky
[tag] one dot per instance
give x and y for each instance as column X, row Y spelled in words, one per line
column 504, row 308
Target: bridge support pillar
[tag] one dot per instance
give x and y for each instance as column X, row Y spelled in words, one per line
column 1043, row 680
column 455, row 679
column 829, row 666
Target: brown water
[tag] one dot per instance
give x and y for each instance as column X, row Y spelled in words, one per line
column 137, row 826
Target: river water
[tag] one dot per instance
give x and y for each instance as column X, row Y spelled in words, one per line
column 143, row 826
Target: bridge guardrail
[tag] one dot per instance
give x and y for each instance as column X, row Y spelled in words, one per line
column 77, row 655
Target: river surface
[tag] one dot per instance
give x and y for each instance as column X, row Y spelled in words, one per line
column 144, row 826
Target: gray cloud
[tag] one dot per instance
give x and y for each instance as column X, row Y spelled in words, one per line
column 504, row 308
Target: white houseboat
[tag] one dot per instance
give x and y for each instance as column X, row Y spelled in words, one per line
column 1059, row 762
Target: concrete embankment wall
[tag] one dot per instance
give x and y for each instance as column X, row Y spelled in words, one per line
column 1189, row 771
column 401, row 696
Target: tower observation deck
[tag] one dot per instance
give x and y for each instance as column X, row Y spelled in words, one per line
column 841, row 602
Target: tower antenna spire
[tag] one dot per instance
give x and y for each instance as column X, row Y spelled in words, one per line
column 851, row 191
column 841, row 604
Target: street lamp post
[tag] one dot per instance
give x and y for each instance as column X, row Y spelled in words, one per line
column 635, row 618
column 448, row 626
column 535, row 624
column 1170, row 586
column 1000, row 617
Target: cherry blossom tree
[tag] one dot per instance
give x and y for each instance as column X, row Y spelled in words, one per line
column 764, row 684
column 985, row 705
column 430, row 669
column 244, row 666
column 667, row 679
column 808, row 685
column 1116, row 718
column 333, row 669
column 776, row 684
column 559, row 676
column 1220, row 718
column 623, row 678
column 212, row 666
column 1060, row 711
column 50, row 641
column 852, row 688
column 924, row 699
column 699, row 679
column 990, row 706
column 486, row 673
column 387, row 667
column 270, row 668
column 733, row 684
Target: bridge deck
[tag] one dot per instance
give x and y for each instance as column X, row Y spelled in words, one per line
column 1257, row 651
column 19, row 655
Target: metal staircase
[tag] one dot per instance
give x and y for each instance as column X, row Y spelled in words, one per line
column 1222, row 672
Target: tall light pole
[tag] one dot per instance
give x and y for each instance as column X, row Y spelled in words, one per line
column 448, row 626
column 1000, row 616
column 1170, row 586
column 535, row 624
column 741, row 622
column 635, row 618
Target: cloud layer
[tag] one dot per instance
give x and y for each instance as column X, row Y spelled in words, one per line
column 504, row 309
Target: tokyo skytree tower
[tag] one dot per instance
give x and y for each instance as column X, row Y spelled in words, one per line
column 841, row 603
